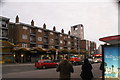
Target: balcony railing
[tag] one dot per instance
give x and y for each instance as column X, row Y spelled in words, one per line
column 33, row 42
column 32, row 34
column 45, row 43
column 4, row 28
column 45, row 36
column 2, row 38
column 56, row 44
column 56, row 37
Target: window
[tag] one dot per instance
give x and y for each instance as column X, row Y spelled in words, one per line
column 68, row 36
column 60, row 34
column 76, row 28
column 69, row 48
column 4, row 33
column 75, row 33
column 51, row 40
column 51, row 33
column 24, row 27
column 60, row 41
column 24, row 45
column 40, row 46
column 68, row 42
column 0, row 32
column 75, row 43
column 51, row 46
column 39, row 38
column 24, row 36
column 4, row 24
column 65, row 37
column 30, row 31
column 61, row 47
column 39, row 30
column 0, row 23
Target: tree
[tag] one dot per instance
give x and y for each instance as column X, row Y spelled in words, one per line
column 112, row 68
column 64, row 51
column 73, row 51
column 52, row 50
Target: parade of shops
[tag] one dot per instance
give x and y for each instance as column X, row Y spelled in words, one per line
column 23, row 43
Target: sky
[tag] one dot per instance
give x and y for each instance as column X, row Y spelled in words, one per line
column 99, row 17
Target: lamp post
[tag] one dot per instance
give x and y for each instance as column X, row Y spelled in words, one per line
column 22, row 56
column 56, row 54
column 79, row 47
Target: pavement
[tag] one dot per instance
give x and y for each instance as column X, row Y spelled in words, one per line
column 17, row 64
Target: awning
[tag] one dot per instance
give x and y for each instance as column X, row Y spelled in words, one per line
column 23, row 49
column 6, row 53
column 111, row 39
column 4, row 44
column 6, row 47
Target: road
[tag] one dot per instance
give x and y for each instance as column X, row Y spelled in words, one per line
column 29, row 71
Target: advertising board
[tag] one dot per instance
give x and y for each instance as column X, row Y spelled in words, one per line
column 111, row 61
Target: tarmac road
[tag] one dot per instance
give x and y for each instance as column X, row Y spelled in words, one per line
column 29, row 71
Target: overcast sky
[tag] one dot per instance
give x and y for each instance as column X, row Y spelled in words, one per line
column 99, row 17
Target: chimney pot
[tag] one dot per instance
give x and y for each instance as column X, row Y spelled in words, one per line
column 54, row 28
column 68, row 32
column 44, row 26
column 62, row 31
column 17, row 19
column 32, row 23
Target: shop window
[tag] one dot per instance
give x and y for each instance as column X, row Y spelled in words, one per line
column 24, row 36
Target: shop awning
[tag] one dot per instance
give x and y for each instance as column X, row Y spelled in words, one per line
column 4, row 44
column 23, row 49
column 6, row 47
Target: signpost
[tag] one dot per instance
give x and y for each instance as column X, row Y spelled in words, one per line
column 111, row 61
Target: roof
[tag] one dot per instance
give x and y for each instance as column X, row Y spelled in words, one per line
column 4, row 18
column 111, row 39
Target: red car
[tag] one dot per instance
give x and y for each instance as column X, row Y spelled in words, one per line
column 45, row 64
column 75, row 60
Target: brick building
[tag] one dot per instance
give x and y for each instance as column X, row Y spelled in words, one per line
column 30, row 36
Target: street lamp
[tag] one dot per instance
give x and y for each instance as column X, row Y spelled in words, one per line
column 56, row 53
column 14, row 55
column 22, row 55
column 79, row 47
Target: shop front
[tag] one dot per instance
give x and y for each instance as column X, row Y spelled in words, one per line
column 6, row 52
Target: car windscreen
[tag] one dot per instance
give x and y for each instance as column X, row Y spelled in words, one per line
column 47, row 61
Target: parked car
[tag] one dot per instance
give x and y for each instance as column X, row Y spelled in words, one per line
column 90, row 60
column 57, row 61
column 75, row 60
column 97, row 60
column 45, row 64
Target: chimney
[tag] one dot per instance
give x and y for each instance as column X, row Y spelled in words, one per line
column 32, row 23
column 54, row 28
column 44, row 26
column 68, row 32
column 17, row 19
column 62, row 31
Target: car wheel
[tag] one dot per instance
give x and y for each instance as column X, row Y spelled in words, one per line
column 38, row 68
column 44, row 67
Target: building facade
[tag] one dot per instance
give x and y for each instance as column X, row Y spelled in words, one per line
column 29, row 36
column 78, row 31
